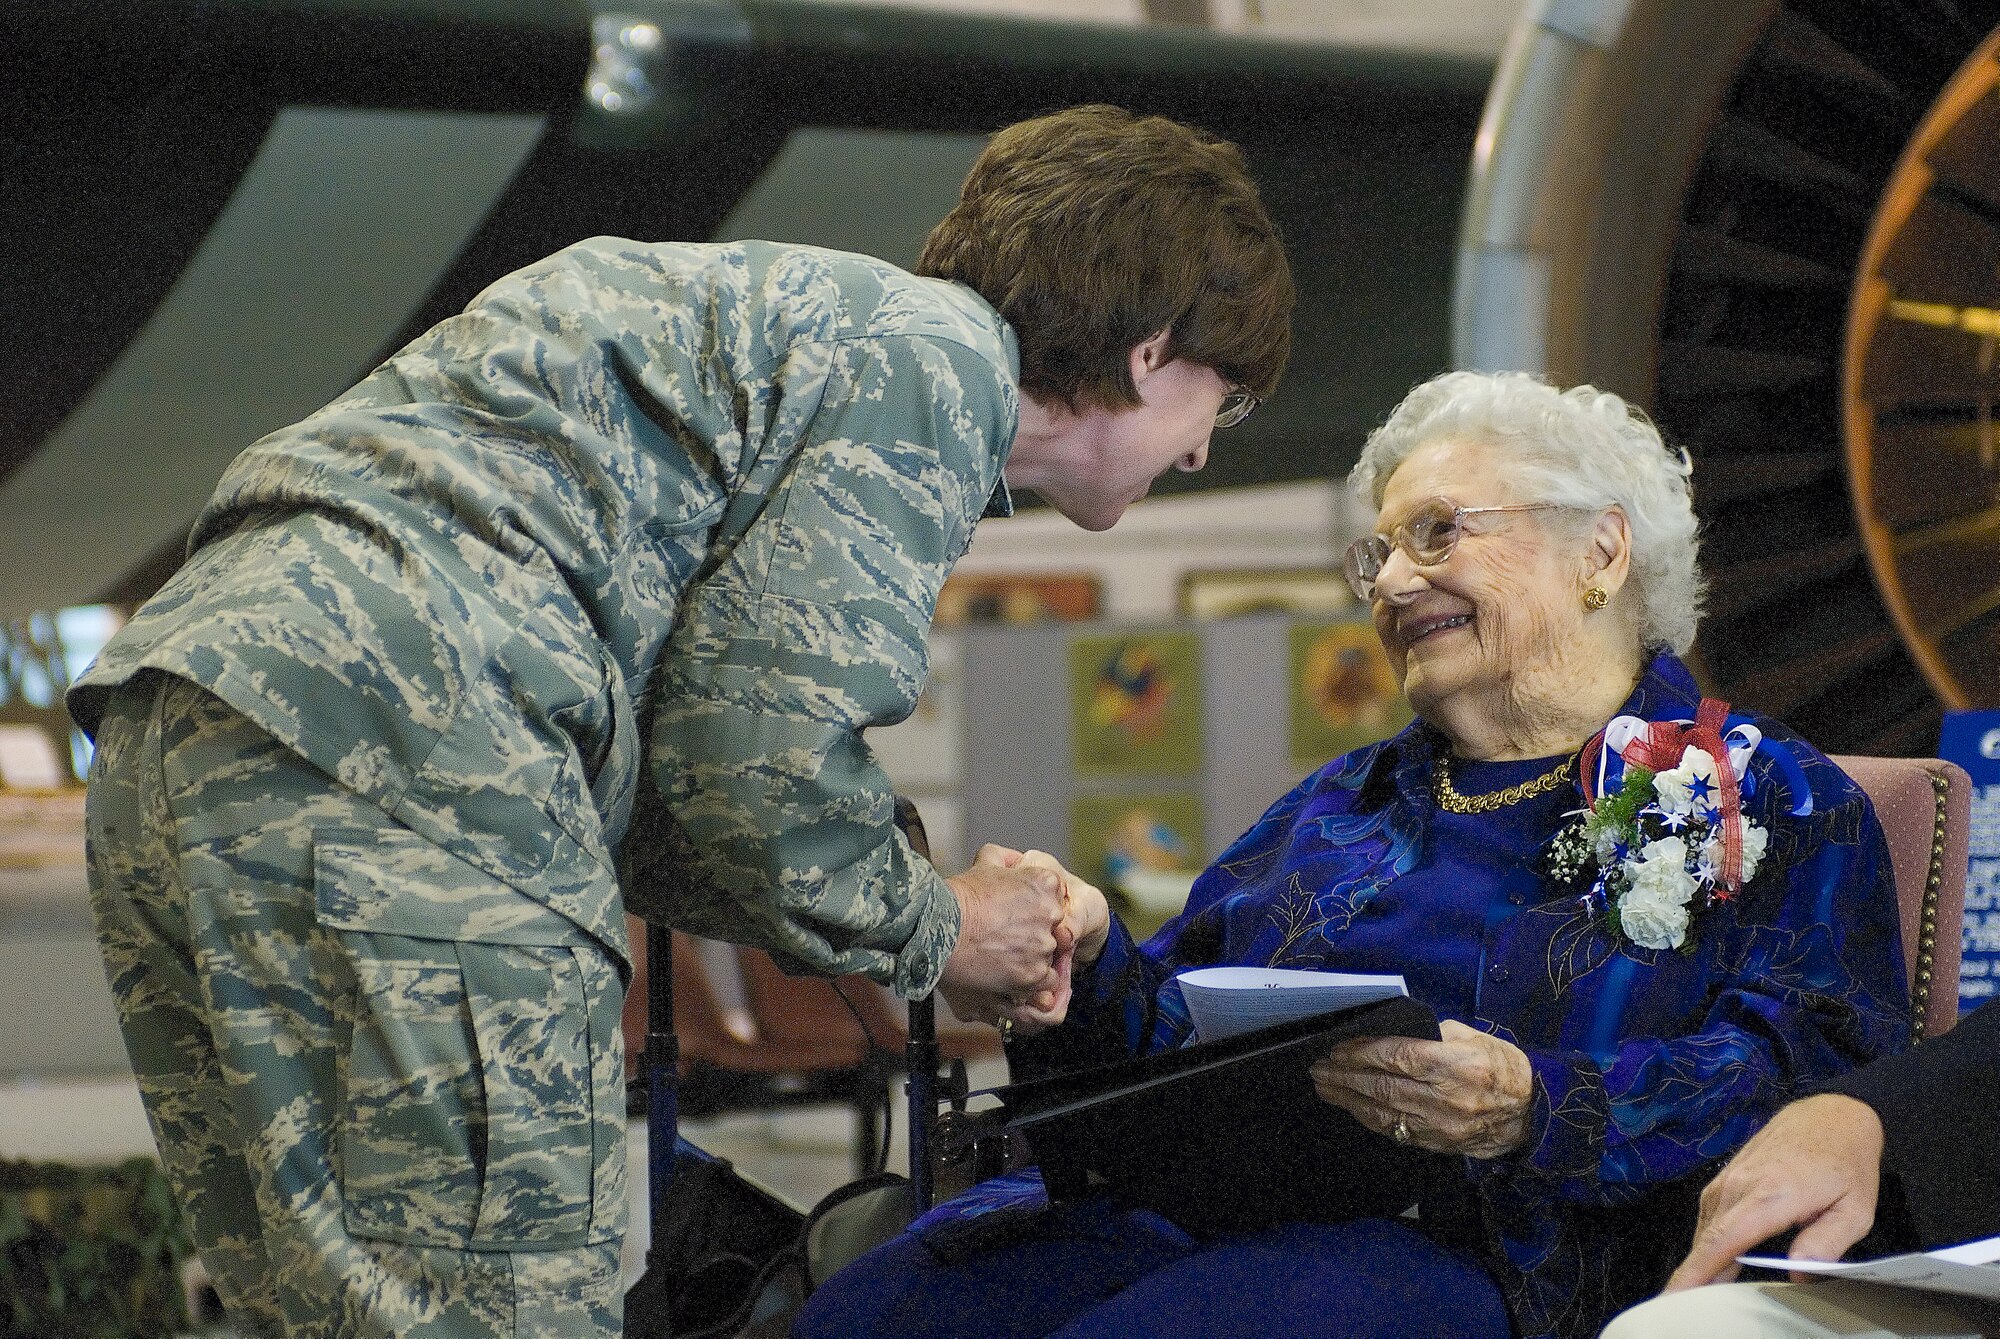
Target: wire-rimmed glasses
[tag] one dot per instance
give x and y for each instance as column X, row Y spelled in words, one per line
column 1428, row 535
column 1238, row 405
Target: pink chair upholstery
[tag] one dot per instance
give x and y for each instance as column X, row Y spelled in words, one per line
column 1925, row 806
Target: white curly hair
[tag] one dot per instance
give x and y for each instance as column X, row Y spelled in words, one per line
column 1580, row 448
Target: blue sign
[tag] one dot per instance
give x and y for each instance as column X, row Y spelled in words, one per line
column 1972, row 740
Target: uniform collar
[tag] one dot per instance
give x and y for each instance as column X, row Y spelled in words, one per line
column 1001, row 503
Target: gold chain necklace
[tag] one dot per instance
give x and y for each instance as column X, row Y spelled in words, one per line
column 1454, row 803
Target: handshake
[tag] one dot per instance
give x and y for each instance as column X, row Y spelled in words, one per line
column 1024, row 923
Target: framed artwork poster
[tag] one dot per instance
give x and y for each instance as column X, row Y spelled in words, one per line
column 1135, row 704
column 1344, row 692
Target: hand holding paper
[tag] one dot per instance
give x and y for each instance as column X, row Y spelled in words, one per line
column 1223, row 1135
column 1467, row 1093
column 1817, row 1163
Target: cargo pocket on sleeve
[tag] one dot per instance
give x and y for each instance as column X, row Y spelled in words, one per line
column 470, row 1088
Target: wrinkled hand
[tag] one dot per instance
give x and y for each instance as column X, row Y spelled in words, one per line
column 1012, row 956
column 1085, row 911
column 1817, row 1163
column 1468, row 1093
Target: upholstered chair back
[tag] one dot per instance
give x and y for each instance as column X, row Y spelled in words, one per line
column 1925, row 806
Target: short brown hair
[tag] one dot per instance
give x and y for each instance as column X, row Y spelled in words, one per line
column 1091, row 229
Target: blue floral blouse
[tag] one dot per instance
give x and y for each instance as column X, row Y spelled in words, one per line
column 1650, row 1066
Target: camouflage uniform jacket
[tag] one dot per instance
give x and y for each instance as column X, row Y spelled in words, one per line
column 706, row 493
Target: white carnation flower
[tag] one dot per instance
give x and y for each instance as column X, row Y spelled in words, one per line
column 1651, row 921
column 1756, row 841
column 1653, row 911
column 1690, row 787
column 1659, row 872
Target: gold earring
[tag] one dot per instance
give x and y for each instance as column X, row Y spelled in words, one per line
column 1595, row 598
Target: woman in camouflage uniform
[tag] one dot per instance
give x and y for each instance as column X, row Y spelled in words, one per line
column 660, row 513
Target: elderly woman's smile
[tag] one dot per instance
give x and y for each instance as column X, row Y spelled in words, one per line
column 1412, row 628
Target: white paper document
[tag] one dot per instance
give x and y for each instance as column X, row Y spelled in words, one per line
column 1229, row 1001
column 1971, row 1270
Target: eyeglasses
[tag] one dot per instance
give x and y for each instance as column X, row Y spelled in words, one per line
column 1238, row 405
column 1429, row 536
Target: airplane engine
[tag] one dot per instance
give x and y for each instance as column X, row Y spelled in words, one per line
column 1776, row 224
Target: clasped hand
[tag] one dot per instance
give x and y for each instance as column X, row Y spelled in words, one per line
column 1468, row 1093
column 1024, row 923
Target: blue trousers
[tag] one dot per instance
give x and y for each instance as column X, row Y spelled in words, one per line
column 1091, row 1271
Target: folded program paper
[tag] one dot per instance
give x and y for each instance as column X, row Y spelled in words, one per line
column 1971, row 1270
column 1229, row 1001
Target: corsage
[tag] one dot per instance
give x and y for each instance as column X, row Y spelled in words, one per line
column 1669, row 840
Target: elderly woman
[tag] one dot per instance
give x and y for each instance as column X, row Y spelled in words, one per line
column 1645, row 922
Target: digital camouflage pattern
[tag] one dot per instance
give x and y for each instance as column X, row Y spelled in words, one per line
column 713, row 487
column 387, row 1087
column 672, row 510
